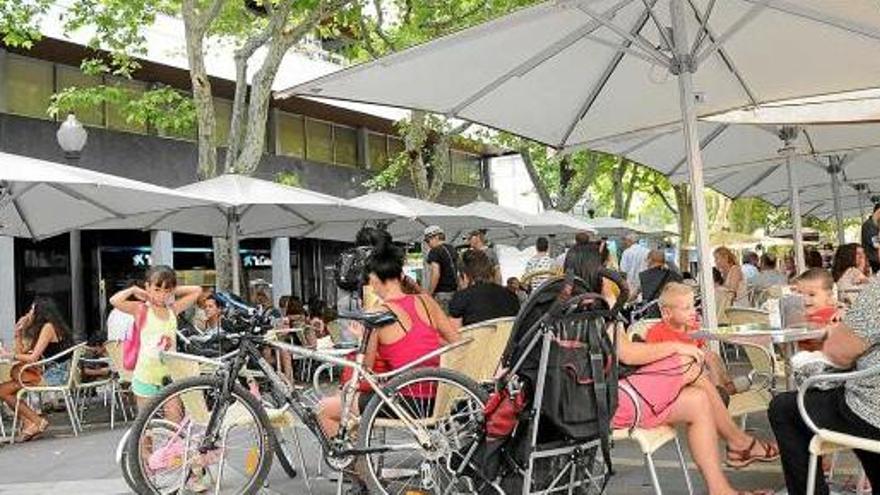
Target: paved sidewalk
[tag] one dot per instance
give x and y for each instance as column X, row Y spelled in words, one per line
column 65, row 465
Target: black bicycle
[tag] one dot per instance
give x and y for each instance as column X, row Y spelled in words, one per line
column 210, row 433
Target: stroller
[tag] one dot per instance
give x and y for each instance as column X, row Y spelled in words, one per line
column 548, row 423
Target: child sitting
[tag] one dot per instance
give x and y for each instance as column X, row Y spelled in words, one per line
column 679, row 319
column 816, row 287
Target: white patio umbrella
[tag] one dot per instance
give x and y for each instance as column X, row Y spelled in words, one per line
column 755, row 160
column 40, row 199
column 241, row 207
column 525, row 227
column 408, row 218
column 616, row 227
column 569, row 71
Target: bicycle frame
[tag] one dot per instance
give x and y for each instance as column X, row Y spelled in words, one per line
column 335, row 447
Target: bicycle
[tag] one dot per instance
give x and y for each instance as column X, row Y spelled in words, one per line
column 210, row 431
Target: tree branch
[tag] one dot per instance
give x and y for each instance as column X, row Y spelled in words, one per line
column 380, row 29
column 659, row 192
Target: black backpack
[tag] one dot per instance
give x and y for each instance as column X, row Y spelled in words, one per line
column 351, row 268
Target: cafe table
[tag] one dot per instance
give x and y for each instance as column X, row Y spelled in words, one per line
column 784, row 338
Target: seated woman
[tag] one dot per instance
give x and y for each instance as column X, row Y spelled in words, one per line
column 852, row 409
column 421, row 328
column 674, row 390
column 39, row 334
column 850, row 270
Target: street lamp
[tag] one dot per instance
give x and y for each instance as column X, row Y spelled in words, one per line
column 72, row 137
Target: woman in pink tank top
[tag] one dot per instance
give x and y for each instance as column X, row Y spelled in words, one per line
column 422, row 327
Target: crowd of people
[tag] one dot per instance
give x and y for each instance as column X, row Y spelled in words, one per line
column 677, row 380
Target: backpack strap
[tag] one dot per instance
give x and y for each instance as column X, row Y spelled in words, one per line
column 427, row 311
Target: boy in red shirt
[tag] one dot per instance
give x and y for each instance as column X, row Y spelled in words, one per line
column 679, row 319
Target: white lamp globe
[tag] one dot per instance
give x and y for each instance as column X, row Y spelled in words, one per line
column 71, row 136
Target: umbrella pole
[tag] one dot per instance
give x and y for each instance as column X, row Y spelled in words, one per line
column 683, row 67
column 234, row 254
column 834, row 166
column 798, row 232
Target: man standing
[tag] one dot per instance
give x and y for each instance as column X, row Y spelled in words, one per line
column 443, row 262
column 633, row 261
column 871, row 238
column 477, row 242
column 540, row 262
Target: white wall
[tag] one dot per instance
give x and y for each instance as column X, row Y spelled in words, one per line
column 512, row 185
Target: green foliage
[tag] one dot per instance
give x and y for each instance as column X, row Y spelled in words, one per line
column 164, row 108
column 288, row 178
column 19, row 21
column 395, row 168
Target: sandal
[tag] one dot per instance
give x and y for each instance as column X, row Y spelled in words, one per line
column 32, row 431
column 738, row 459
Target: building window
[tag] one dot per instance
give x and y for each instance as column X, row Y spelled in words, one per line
column 345, row 143
column 223, row 119
column 29, row 86
column 72, row 77
column 116, row 118
column 466, row 169
column 377, row 144
column 291, row 135
column 319, row 141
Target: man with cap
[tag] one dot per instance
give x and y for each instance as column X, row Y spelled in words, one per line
column 477, row 241
column 443, row 265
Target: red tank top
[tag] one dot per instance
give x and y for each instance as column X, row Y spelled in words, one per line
column 419, row 340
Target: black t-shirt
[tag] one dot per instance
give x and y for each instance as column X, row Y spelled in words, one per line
column 654, row 279
column 482, row 302
column 446, row 258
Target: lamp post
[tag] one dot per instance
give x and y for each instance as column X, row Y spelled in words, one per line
column 72, row 137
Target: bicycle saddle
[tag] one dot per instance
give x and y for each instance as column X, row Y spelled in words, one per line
column 370, row 319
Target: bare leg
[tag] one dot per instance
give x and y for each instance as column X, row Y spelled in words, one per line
column 330, row 415
column 736, row 438
column 702, row 438
column 8, row 390
column 717, row 371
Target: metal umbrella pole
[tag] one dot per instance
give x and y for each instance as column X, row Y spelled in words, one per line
column 683, row 67
column 789, row 134
column 860, row 189
column 834, row 169
column 234, row 254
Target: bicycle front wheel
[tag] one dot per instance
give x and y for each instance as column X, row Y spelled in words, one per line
column 169, row 447
column 444, row 404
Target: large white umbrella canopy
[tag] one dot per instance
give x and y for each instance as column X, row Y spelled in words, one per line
column 241, row 207
column 408, row 218
column 39, row 199
column 571, row 71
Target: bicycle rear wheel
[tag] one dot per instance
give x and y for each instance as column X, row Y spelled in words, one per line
column 449, row 406
column 169, row 452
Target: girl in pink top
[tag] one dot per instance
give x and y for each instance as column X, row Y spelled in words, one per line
column 421, row 327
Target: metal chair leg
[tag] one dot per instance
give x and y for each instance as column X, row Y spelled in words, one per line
column 684, row 468
column 811, row 474
column 112, row 404
column 71, row 412
column 18, row 398
column 652, row 470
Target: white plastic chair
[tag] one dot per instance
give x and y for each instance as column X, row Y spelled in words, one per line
column 828, row 441
column 66, row 390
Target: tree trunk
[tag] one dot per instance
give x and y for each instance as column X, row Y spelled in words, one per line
column 222, row 263
column 684, row 206
column 194, row 29
column 578, row 183
column 617, row 188
column 540, row 187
